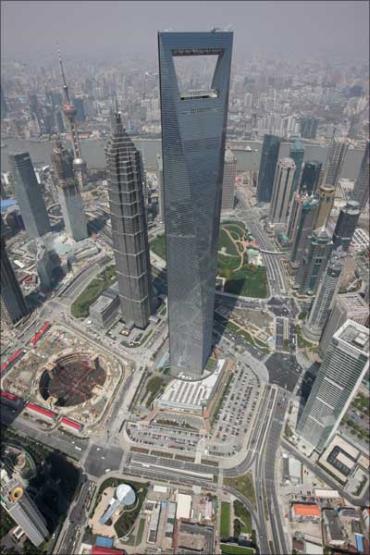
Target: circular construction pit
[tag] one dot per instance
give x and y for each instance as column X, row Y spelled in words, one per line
column 74, row 379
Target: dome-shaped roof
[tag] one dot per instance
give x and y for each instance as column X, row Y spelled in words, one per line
column 125, row 494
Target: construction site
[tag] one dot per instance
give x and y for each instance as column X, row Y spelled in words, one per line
column 62, row 375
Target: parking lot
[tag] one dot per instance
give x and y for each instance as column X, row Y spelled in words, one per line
column 103, row 459
column 284, row 370
column 231, row 423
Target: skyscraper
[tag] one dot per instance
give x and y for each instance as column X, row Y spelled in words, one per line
column 309, row 126
column 12, row 299
column 228, row 185
column 193, row 146
column 68, row 192
column 129, row 227
column 160, row 187
column 70, row 112
column 334, row 162
column 346, row 225
column 303, row 228
column 297, row 154
column 3, row 107
column 269, row 158
column 341, row 372
column 29, row 196
column 361, row 188
column 314, row 262
column 350, row 306
column 22, row 509
column 310, row 176
column 325, row 297
column 326, row 201
column 282, row 191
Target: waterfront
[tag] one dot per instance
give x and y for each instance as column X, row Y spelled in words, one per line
column 93, row 152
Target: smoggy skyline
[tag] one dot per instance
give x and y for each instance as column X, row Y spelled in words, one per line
column 123, row 30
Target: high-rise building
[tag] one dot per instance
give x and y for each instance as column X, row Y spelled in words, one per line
column 346, row 225
column 325, row 297
column 302, row 227
column 70, row 112
column 193, row 147
column 228, row 185
column 334, row 162
column 282, row 191
column 129, row 227
column 344, row 366
column 350, row 306
column 326, row 201
column 160, row 187
column 310, row 176
column 22, row 509
column 269, row 158
column 68, row 192
column 308, row 127
column 12, row 299
column 29, row 196
column 314, row 262
column 3, row 107
column 297, row 154
column 361, row 188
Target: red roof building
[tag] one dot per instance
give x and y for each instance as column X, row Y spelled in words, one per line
column 97, row 550
column 9, row 396
column 70, row 424
column 49, row 414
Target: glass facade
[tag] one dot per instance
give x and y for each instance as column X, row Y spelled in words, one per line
column 193, row 147
column 266, row 174
column 29, row 196
column 11, row 294
column 310, row 176
column 129, row 227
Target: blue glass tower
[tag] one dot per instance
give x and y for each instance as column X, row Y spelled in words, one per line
column 297, row 154
column 193, row 147
column 269, row 158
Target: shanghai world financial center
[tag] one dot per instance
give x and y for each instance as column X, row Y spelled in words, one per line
column 193, row 144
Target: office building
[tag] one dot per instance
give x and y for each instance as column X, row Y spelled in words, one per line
column 22, row 509
column 104, row 311
column 334, row 162
column 68, row 192
column 282, row 191
column 350, row 306
column 269, row 158
column 326, row 201
column 193, row 148
column 3, row 107
column 346, row 224
column 310, row 177
column 12, row 300
column 302, row 227
column 129, row 227
column 343, row 368
column 228, row 185
column 29, row 196
column 160, row 187
column 296, row 154
column 308, row 127
column 325, row 297
column 48, row 265
column 361, row 188
column 314, row 261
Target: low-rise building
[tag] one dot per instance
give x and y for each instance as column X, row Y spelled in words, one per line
column 333, row 535
column 305, row 511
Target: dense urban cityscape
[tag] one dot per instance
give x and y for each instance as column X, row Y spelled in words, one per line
column 184, row 284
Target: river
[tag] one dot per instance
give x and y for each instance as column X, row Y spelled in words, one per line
column 93, row 153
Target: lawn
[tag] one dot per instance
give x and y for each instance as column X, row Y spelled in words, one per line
column 244, row 485
column 225, row 520
column 128, row 517
column 361, row 403
column 229, row 549
column 244, row 516
column 80, row 308
column 249, row 281
column 154, row 385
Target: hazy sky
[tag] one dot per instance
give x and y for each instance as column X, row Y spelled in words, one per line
column 30, row 29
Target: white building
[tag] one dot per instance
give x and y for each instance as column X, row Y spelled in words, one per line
column 282, row 191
